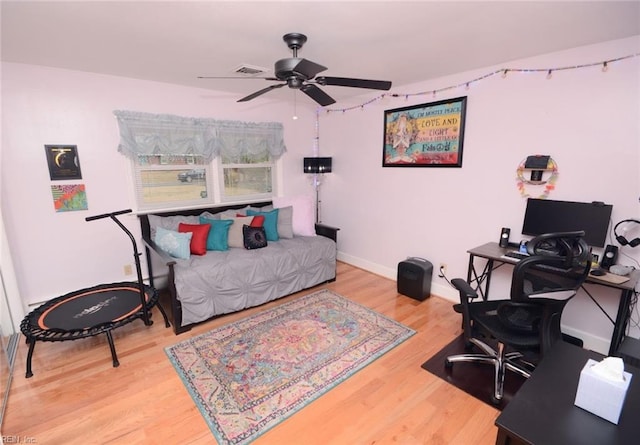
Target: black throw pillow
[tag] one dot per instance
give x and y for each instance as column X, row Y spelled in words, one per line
column 254, row 237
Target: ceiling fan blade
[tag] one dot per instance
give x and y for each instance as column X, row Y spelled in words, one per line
column 236, row 77
column 317, row 94
column 307, row 68
column 356, row 83
column 261, row 92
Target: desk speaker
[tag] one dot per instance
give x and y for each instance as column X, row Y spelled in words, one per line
column 609, row 257
column 414, row 278
column 504, row 237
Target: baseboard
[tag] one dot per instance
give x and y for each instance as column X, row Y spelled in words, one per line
column 590, row 341
column 160, row 281
column 368, row 266
column 444, row 291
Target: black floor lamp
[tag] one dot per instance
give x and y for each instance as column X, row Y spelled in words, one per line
column 317, row 166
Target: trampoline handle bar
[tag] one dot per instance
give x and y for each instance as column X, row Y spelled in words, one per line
column 136, row 255
column 107, row 215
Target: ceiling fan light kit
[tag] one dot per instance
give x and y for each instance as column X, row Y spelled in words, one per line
column 298, row 73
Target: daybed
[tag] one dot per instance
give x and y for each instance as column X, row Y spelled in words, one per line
column 223, row 281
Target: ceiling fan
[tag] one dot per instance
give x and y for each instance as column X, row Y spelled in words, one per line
column 299, row 73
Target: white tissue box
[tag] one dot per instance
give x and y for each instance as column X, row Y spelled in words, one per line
column 601, row 396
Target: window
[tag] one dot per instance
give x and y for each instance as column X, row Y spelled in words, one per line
column 246, row 175
column 167, row 181
column 182, row 162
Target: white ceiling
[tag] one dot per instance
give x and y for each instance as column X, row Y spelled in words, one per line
column 405, row 42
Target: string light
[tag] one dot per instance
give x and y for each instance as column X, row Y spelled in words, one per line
column 549, row 184
column 316, row 140
column 502, row 71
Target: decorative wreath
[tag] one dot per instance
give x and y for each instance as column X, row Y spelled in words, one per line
column 548, row 184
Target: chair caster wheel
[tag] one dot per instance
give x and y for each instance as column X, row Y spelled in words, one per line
column 448, row 364
column 495, row 401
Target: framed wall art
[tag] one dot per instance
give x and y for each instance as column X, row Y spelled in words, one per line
column 426, row 135
column 63, row 162
column 69, row 197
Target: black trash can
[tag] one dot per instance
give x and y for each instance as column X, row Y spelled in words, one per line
column 414, row 278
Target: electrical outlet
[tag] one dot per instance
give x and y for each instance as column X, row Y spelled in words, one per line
column 442, row 269
column 128, row 269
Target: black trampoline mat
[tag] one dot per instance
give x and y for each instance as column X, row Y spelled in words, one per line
column 88, row 308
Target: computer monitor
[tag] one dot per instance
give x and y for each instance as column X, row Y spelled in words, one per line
column 546, row 216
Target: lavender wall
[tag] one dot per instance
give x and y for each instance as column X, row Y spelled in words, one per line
column 586, row 119
column 55, row 253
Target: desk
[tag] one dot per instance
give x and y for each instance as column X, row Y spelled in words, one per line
column 542, row 412
column 493, row 254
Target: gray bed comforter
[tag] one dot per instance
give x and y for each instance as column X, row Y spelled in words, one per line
column 224, row 282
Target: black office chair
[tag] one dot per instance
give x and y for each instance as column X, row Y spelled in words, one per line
column 541, row 286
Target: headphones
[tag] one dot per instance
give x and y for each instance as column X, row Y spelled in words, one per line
column 621, row 239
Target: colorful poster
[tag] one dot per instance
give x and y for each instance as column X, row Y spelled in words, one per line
column 70, row 197
column 427, row 135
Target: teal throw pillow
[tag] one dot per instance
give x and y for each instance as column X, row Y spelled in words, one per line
column 270, row 223
column 219, row 233
column 176, row 244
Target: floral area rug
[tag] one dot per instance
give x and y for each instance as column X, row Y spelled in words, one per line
column 248, row 376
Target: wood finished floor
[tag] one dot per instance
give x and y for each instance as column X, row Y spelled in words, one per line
column 77, row 397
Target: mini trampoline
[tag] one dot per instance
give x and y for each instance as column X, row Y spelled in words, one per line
column 93, row 311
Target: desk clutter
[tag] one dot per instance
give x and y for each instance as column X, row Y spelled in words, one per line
column 602, row 388
column 609, row 277
column 485, row 258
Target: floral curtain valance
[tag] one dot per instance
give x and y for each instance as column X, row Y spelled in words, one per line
column 148, row 134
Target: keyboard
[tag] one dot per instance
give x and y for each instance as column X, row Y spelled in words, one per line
column 515, row 256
